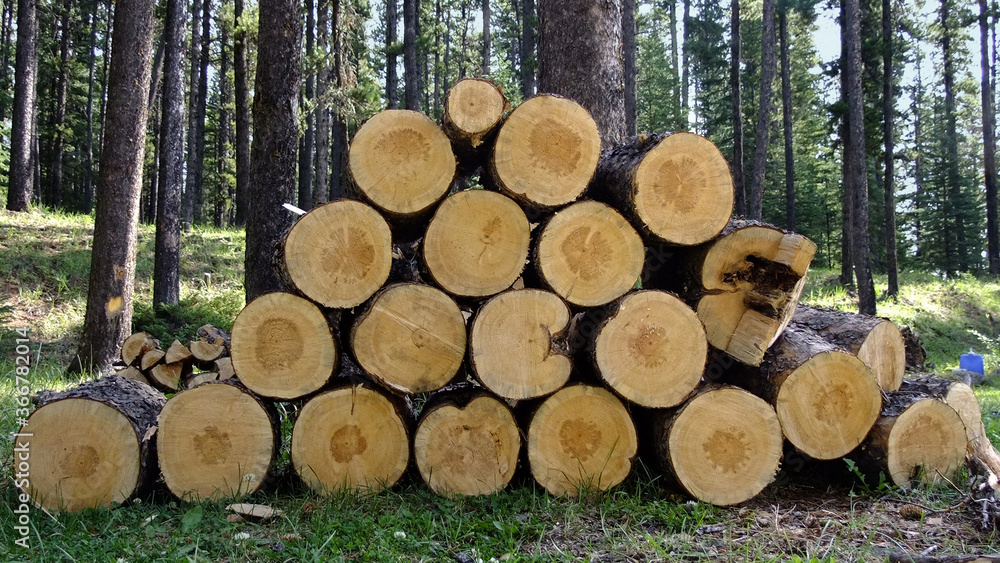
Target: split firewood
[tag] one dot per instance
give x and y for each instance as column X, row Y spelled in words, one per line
column 132, row 372
column 178, row 353
column 224, row 367
column 167, row 377
column 150, row 359
column 200, row 378
column 136, row 345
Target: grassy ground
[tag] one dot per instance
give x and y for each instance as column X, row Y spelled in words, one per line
column 44, row 259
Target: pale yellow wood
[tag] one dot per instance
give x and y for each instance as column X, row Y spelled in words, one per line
column 547, row 151
column 477, row 243
column 224, row 367
column 468, row 451
column 349, row 439
column 401, row 161
column 83, row 454
column 683, row 190
column 282, row 346
column 339, row 254
column 885, row 353
column 927, row 443
column 151, row 358
column 167, row 376
column 214, row 442
column 133, row 372
column 176, row 353
column 200, row 378
column 589, row 254
column 581, row 438
column 412, row 339
column 206, row 351
column 653, row 351
column 136, row 345
column 524, row 322
column 474, row 107
column 963, row 399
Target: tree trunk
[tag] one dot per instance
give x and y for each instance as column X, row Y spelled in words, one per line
column 322, row 193
column 857, row 176
column 579, row 56
column 192, row 168
column 308, row 146
column 108, row 319
column 242, row 119
column 437, row 60
column 203, row 60
column 918, row 172
column 735, row 86
column 225, row 192
column 847, row 205
column 411, row 13
column 88, row 163
column 629, row 51
column 23, row 115
column 528, row 60
column 276, row 128
column 685, row 67
column 955, row 243
column 786, row 114
column 391, row 80
column 166, row 267
column 62, row 86
column 486, row 38
column 675, row 88
column 149, row 215
column 767, row 67
column 889, row 117
column 989, row 144
column 7, row 25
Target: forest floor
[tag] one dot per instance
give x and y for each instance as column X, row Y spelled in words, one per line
column 822, row 512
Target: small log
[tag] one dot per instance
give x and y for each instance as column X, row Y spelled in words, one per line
column 581, row 438
column 466, row 443
column 150, row 359
column 675, row 188
column 352, row 438
column 589, row 255
column 876, row 341
column 411, row 339
column 200, row 378
column 283, row 347
column 224, row 367
column 177, row 353
column 216, row 441
column 517, row 344
column 136, row 345
column 723, row 446
column 402, row 163
column 337, row 255
column 93, row 445
column 545, row 153
column 476, row 244
column 473, row 111
column 167, row 377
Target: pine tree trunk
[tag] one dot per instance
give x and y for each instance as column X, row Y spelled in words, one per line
column 685, row 67
column 225, row 191
column 276, row 129
column 847, row 202
column 242, row 120
column 108, row 319
column 62, row 86
column 486, row 38
column 675, row 90
column 579, row 38
column 88, row 163
column 411, row 13
column 989, row 144
column 322, row 193
column 6, row 29
column 763, row 127
column 889, row 117
column 956, row 250
column 23, row 115
column 528, row 59
column 391, row 80
column 629, row 51
column 786, row 114
column 191, row 169
column 735, row 87
column 203, row 60
column 308, row 146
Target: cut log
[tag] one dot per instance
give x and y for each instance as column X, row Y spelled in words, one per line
column 546, row 152
column 136, row 345
column 177, row 353
column 477, row 243
column 466, row 443
column 133, row 372
column 204, row 352
column 90, row 446
column 589, row 255
column 473, row 110
column 150, row 359
column 918, row 437
column 214, row 335
column 410, row 340
column 963, row 399
column 675, row 188
column 167, row 377
column 216, row 441
column 338, row 254
column 722, row 447
column 200, row 378
column 224, row 367
column 827, row 399
column 402, row 163
column 581, row 438
column 517, row 344
column 648, row 346
column 351, row 439
column 876, row 341
column 745, row 285
column 283, row 347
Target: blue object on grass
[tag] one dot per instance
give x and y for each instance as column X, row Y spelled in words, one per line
column 971, row 362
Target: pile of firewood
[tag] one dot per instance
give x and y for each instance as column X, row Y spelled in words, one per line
column 538, row 319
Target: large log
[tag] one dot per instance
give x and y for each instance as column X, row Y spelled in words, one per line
column 352, row 438
column 473, row 111
column 589, row 255
column 467, row 442
column 675, row 188
column 93, row 445
column 282, row 346
column 723, row 446
column 216, row 441
column 477, row 243
column 338, row 254
column 517, row 344
column 876, row 341
column 545, row 153
column 581, row 439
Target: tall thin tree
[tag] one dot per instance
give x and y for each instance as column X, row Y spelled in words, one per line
column 204, row 59
column 411, row 71
column 989, row 141
column 193, row 168
column 322, row 191
column 486, row 38
column 888, row 123
column 956, row 258
column 391, row 78
column 768, row 65
column 23, row 115
column 308, row 145
column 629, row 52
column 685, row 66
column 62, row 88
column 88, row 163
column 736, row 90
column 242, row 106
column 786, row 116
column 528, row 59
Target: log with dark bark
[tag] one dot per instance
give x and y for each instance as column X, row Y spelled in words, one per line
column 338, row 254
column 473, row 111
column 545, row 153
column 675, row 188
column 352, row 438
column 477, row 243
column 283, row 347
column 588, row 254
column 648, row 346
column 581, row 438
column 216, row 441
column 722, row 447
column 92, row 445
column 402, row 163
column 411, row 339
column 466, row 443
column 876, row 341
column 916, row 355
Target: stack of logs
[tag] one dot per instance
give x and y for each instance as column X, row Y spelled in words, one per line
column 579, row 292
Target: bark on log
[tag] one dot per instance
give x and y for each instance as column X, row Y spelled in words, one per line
column 473, row 111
